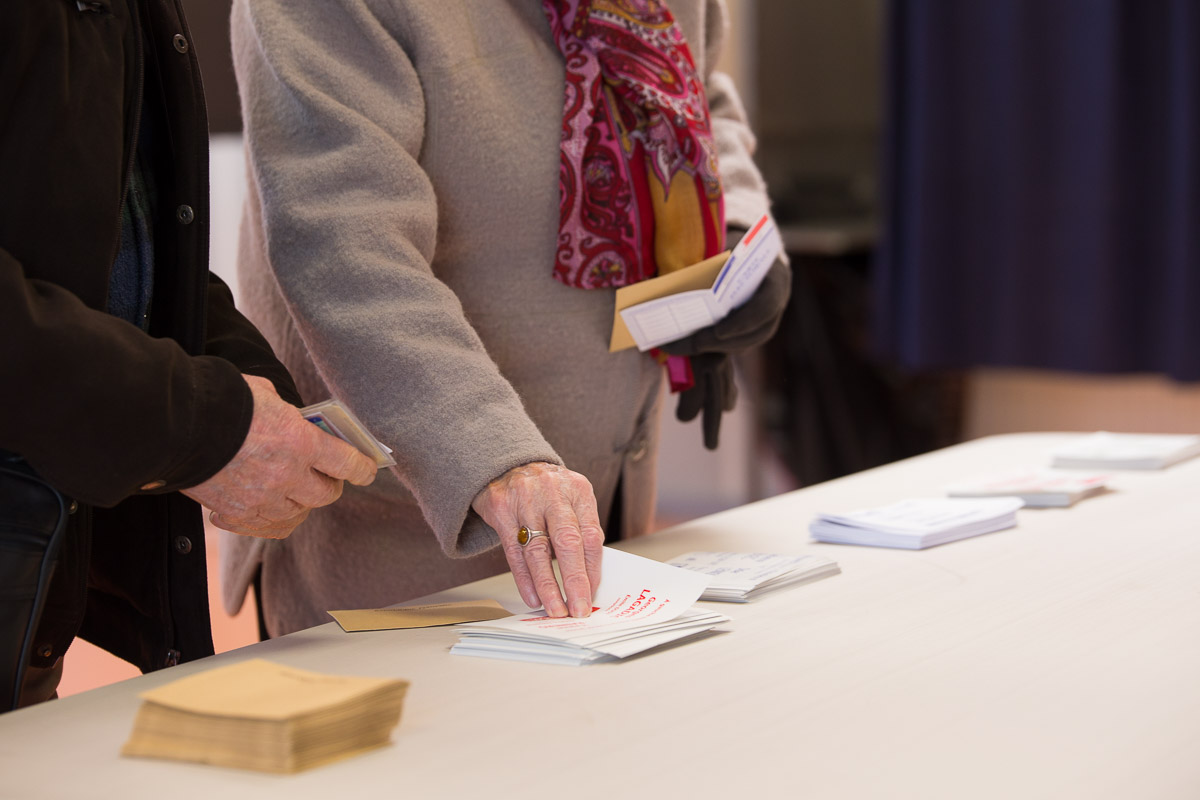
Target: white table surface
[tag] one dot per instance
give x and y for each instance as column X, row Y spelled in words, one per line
column 1059, row 659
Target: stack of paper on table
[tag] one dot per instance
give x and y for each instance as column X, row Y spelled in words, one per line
column 1038, row 488
column 638, row 605
column 264, row 716
column 740, row 577
column 917, row 523
column 1104, row 450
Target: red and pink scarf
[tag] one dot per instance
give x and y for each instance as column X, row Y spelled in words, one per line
column 639, row 190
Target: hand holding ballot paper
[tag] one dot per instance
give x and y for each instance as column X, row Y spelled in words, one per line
column 639, row 604
column 284, row 469
column 335, row 419
column 709, row 311
column 665, row 309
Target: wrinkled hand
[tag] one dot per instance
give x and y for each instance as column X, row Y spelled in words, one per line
column 286, row 467
column 547, row 497
column 749, row 325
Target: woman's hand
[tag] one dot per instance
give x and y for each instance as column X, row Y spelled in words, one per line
column 551, row 500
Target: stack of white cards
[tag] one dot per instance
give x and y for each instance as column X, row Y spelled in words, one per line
column 917, row 523
column 1104, row 450
column 1038, row 488
column 740, row 577
column 639, row 604
column 337, row 420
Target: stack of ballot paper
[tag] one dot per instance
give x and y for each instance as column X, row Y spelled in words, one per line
column 740, row 577
column 1039, row 488
column 918, row 523
column 638, row 605
column 264, row 716
column 337, row 420
column 1104, row 450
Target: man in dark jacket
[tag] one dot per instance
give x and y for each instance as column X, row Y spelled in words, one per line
column 128, row 381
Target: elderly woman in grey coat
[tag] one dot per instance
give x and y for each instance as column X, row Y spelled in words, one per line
column 443, row 198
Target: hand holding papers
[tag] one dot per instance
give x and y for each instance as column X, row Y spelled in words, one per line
column 660, row 310
column 639, row 604
column 335, row 419
column 1103, row 450
column 740, row 577
column 264, row 716
column 919, row 523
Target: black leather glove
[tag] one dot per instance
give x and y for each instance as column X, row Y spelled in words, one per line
column 748, row 325
column 713, row 392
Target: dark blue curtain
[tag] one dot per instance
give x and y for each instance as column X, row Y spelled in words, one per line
column 1042, row 185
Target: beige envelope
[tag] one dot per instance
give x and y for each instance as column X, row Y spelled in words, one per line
column 260, row 689
column 697, row 276
column 386, row 619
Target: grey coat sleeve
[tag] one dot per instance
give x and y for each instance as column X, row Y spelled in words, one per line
column 745, row 192
column 335, row 122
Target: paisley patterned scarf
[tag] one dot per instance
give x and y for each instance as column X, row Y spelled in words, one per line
column 639, row 190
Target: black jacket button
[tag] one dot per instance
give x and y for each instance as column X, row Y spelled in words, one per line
column 185, row 214
column 180, row 42
column 183, row 545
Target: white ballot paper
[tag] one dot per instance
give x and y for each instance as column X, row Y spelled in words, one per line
column 337, row 420
column 1104, row 450
column 656, row 322
column 638, row 605
column 740, row 577
column 1039, row 488
column 918, row 523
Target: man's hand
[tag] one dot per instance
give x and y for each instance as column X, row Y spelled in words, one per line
column 286, row 467
column 547, row 497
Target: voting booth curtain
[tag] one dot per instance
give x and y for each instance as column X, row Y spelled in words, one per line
column 1042, row 186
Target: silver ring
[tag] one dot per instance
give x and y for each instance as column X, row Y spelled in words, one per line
column 526, row 535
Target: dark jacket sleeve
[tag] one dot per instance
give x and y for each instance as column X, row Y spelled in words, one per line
column 234, row 338
column 102, row 409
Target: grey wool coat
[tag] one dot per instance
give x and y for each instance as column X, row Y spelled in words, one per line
column 397, row 251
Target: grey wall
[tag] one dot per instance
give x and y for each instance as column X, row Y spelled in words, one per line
column 818, row 85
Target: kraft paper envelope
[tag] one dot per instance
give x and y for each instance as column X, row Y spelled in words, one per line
column 387, row 619
column 697, row 276
column 258, row 689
